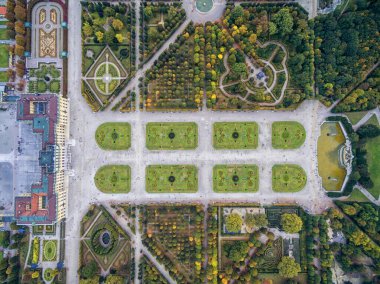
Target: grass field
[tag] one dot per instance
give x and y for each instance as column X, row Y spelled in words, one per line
column 4, row 55
column 235, row 178
column 171, row 178
column 356, row 116
column 171, row 136
column 235, row 135
column 357, row 196
column 288, row 178
column 3, row 77
column 114, row 136
column 49, row 250
column 373, row 159
column 287, row 135
column 329, row 169
column 113, row 179
column 372, row 120
column 3, row 34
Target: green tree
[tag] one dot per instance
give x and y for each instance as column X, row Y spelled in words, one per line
column 272, row 28
column 87, row 29
column 291, row 223
column 349, row 209
column 99, row 36
column 237, row 250
column 234, row 222
column 288, row 267
column 148, row 12
column 117, row 24
column 256, row 220
column 109, row 36
column 114, row 279
column 89, row 270
column 284, row 21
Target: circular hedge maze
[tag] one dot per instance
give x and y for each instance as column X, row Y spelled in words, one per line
column 288, row 178
column 50, row 250
column 287, row 135
column 104, row 240
column 272, row 256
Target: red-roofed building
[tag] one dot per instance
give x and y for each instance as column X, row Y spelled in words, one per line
column 47, row 201
column 3, row 11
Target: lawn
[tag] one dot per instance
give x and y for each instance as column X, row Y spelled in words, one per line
column 3, row 77
column 114, row 136
column 287, row 135
column 171, row 136
column 356, row 116
column 373, row 159
column 171, row 178
column 357, row 196
column 235, row 178
column 3, row 34
column 113, row 179
column 329, row 168
column 4, row 55
column 288, row 178
column 372, row 120
column 49, row 250
column 235, row 135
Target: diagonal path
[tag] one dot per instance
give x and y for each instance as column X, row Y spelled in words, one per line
column 136, row 239
column 133, row 83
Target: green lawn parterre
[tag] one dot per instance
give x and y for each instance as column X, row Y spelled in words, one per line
column 235, row 178
column 373, row 158
column 4, row 56
column 288, row 178
column 235, row 135
column 171, row 178
column 171, row 135
column 113, row 179
column 287, row 135
column 114, row 136
column 49, row 250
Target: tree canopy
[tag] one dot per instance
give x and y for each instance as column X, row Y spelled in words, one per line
column 234, row 222
column 288, row 267
column 291, row 223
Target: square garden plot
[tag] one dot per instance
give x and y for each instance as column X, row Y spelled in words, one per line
column 171, row 178
column 287, row 135
column 235, row 135
column 114, row 136
column 235, row 178
column 171, row 136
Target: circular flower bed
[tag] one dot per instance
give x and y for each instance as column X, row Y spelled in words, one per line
column 104, row 239
column 48, row 274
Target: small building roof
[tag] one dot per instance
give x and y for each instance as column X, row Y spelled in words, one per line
column 3, row 10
